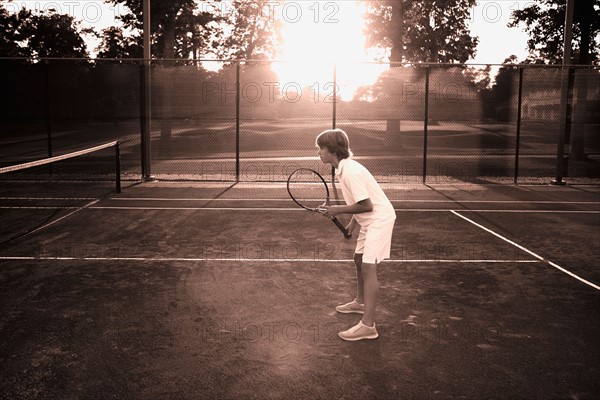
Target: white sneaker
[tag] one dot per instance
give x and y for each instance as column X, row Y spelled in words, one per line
column 352, row 307
column 358, row 332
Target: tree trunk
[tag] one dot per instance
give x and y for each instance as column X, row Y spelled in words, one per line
column 392, row 130
column 577, row 153
column 167, row 92
column 579, row 120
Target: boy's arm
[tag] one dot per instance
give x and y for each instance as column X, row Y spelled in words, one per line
column 360, row 207
column 352, row 225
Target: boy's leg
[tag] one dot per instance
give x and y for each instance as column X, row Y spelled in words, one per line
column 360, row 295
column 377, row 247
column 365, row 329
column 356, row 305
column 370, row 290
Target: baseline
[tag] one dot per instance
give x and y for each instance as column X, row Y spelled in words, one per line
column 241, row 259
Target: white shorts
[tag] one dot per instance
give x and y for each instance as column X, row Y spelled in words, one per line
column 375, row 241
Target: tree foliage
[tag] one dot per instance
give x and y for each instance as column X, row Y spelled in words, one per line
column 240, row 29
column 194, row 32
column 499, row 98
column 50, row 34
column 417, row 31
column 11, row 35
column 422, row 31
column 544, row 23
column 116, row 45
column 168, row 19
column 254, row 30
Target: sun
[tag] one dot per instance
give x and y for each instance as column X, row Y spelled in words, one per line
column 318, row 35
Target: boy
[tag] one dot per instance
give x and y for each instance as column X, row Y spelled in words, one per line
column 373, row 212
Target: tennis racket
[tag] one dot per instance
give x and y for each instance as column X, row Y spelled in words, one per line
column 309, row 190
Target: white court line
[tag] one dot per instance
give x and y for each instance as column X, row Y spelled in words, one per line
column 38, row 208
column 393, row 201
column 61, row 218
column 270, row 209
column 47, row 198
column 301, row 209
column 165, row 199
column 528, row 251
column 299, row 260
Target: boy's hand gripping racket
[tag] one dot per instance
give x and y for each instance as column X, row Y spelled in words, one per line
column 309, row 190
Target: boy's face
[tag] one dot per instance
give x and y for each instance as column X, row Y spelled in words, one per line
column 326, row 156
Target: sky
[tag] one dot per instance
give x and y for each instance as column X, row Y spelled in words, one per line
column 497, row 42
column 488, row 21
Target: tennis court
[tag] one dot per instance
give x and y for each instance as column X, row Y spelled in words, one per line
column 184, row 290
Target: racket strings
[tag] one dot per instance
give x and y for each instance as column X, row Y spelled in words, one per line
column 309, row 195
column 308, row 189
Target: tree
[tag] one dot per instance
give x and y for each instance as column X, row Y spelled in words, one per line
column 180, row 30
column 40, row 35
column 544, row 23
column 502, row 92
column 194, row 31
column 11, row 35
column 116, row 45
column 166, row 21
column 424, row 31
column 254, row 30
column 163, row 21
column 480, row 77
column 55, row 35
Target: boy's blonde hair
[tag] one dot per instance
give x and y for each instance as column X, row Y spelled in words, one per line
column 336, row 141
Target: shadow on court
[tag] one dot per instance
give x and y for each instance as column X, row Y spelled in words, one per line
column 183, row 291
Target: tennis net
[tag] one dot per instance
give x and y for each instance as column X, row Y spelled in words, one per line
column 36, row 194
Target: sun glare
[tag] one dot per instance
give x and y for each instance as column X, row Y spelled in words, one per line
column 316, row 35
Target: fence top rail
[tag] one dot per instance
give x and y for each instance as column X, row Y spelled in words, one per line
column 235, row 61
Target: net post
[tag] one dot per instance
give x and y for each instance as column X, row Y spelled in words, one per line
column 48, row 109
column 118, row 166
column 518, row 133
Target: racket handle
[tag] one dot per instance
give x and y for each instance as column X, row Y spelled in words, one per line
column 347, row 235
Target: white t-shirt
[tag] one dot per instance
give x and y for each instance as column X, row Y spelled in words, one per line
column 358, row 184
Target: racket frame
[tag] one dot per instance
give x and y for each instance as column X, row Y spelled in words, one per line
column 320, row 210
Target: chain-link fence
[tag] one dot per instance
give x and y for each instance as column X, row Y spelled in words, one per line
column 407, row 123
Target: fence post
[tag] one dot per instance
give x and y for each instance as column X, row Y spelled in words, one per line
column 145, row 110
column 334, row 116
column 518, row 139
column 425, row 124
column 564, row 93
column 334, row 96
column 146, row 94
column 48, row 112
column 237, row 122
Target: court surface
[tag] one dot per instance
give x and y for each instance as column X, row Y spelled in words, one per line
column 187, row 291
